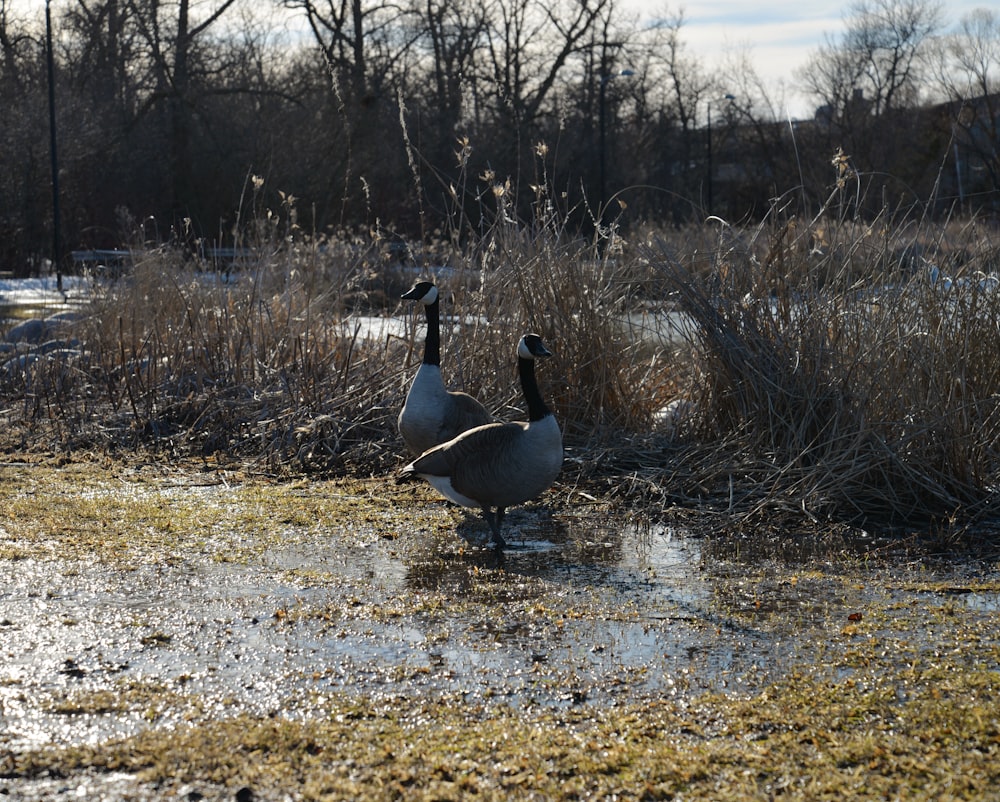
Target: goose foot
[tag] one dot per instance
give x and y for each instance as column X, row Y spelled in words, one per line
column 493, row 519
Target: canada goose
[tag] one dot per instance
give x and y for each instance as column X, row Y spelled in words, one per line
column 432, row 415
column 500, row 464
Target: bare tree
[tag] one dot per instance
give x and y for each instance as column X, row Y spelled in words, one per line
column 875, row 68
column 363, row 41
column 680, row 90
column 756, row 155
column 834, row 74
column 870, row 84
column 24, row 175
column 969, row 73
column 448, row 36
column 506, row 71
column 14, row 39
column 103, row 58
column 971, row 56
column 890, row 35
column 172, row 32
column 529, row 44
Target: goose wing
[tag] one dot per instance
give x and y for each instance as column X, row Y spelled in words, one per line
column 485, row 464
column 477, row 446
column 465, row 413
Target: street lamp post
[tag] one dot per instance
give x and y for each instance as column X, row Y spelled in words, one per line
column 53, row 153
column 711, row 204
column 602, row 132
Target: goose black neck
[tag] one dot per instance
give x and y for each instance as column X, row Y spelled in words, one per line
column 432, row 343
column 536, row 406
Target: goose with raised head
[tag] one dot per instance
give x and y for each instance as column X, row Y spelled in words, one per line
column 499, row 465
column 432, row 414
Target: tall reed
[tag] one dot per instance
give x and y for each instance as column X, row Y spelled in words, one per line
column 295, row 359
column 849, row 368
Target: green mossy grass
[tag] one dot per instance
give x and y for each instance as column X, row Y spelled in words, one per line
column 900, row 699
column 919, row 733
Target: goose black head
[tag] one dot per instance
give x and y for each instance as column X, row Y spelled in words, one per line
column 424, row 291
column 532, row 347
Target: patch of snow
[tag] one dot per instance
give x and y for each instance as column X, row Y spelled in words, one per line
column 43, row 291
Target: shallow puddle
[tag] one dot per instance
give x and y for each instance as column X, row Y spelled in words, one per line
column 582, row 609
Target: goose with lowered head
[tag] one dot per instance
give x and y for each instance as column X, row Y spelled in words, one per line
column 499, row 465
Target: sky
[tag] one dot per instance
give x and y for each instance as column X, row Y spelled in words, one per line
column 778, row 35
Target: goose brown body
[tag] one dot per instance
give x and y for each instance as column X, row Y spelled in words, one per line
column 499, row 465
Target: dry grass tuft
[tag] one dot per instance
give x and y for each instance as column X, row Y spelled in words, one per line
column 848, row 378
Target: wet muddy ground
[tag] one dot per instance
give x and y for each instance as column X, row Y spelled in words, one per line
column 140, row 602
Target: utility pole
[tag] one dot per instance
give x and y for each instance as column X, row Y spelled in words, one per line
column 602, row 128
column 53, row 151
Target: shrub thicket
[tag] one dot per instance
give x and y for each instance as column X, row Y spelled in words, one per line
column 825, row 367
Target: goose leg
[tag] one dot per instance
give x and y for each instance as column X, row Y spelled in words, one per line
column 493, row 519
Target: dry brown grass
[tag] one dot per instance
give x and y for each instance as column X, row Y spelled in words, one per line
column 829, row 373
column 277, row 365
column 849, row 371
